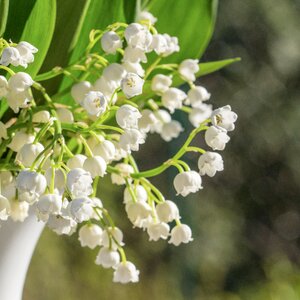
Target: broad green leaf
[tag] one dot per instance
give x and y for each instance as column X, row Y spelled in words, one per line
column 191, row 21
column 131, row 8
column 4, row 4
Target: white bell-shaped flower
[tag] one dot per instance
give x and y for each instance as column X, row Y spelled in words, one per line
column 42, row 116
column 158, row 231
column 65, row 115
column 127, row 116
column 31, row 185
column 216, row 138
column 81, row 209
column 47, row 205
column 95, row 165
column 18, row 210
column 138, row 36
column 3, row 86
column 138, row 213
column 167, row 211
column 19, row 139
column 90, row 235
column 106, row 150
column 120, row 152
column 28, row 153
column 131, row 139
column 105, row 86
column 146, row 16
column 200, row 114
column 62, row 224
column 147, row 120
column 112, row 237
column 209, row 163
column 10, row 55
column 134, row 55
column 139, row 191
column 59, row 179
column 79, row 90
column 76, row 161
column 187, row 182
column 26, row 51
column 126, row 272
column 163, row 117
column 197, row 95
column 171, row 130
column 17, row 100
column 79, row 182
column 4, row 208
column 107, row 258
column 124, row 173
column 94, row 103
column 160, row 83
column 20, row 82
column 132, row 85
column 173, row 98
column 181, row 234
column 110, row 42
column 135, row 68
column 188, row 68
column 164, row 45
column 114, row 73
column 223, row 117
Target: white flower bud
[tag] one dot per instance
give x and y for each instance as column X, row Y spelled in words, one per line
column 3, row 86
column 125, row 171
column 107, row 258
column 47, row 205
column 19, row 139
column 79, row 182
column 4, row 208
column 139, row 191
column 146, row 16
column 181, row 234
column 106, row 87
column 90, row 235
column 96, row 165
column 187, row 182
column 76, row 161
column 81, row 209
column 147, row 120
column 62, row 224
column 200, row 114
column 162, row 117
column 173, row 98
column 110, row 42
column 160, row 83
column 164, row 45
column 131, row 139
column 171, row 130
column 216, row 138
column 95, row 103
column 167, row 211
column 138, row 36
column 188, row 68
column 223, row 117
column 30, row 185
column 106, row 150
column 64, row 115
column 28, row 153
column 127, row 116
column 10, row 55
column 26, row 52
column 158, row 231
column 135, row 68
column 209, row 163
column 42, row 116
column 17, row 100
column 19, row 210
column 132, row 85
column 126, row 272
column 114, row 73
column 114, row 242
column 138, row 213
column 197, row 95
column 79, row 90
column 20, row 82
column 134, row 55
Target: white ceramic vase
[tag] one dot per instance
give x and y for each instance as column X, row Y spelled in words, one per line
column 17, row 243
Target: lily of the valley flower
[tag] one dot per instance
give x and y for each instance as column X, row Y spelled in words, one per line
column 209, row 163
column 187, row 182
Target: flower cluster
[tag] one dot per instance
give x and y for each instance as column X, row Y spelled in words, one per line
column 53, row 156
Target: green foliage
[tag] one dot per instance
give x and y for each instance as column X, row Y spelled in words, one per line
column 3, row 15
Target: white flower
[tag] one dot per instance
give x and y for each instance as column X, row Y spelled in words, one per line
column 216, row 138
column 209, row 163
column 42, row 116
column 4, row 208
column 10, row 55
column 127, row 116
column 173, row 98
column 3, row 132
column 162, row 117
column 171, row 130
column 114, row 73
column 135, row 68
column 146, row 15
column 79, row 90
column 31, row 185
column 95, row 103
column 96, row 165
column 28, row 153
column 126, row 272
column 134, row 55
column 131, row 139
column 132, row 85
column 106, row 150
column 197, row 95
column 181, row 234
column 187, row 182
column 26, row 52
column 19, row 139
column 81, row 209
column 79, row 182
column 160, row 83
column 64, row 115
column 200, row 114
column 20, row 82
column 90, row 235
column 139, row 191
column 18, row 210
column 138, row 213
column 76, row 161
column 116, row 241
column 188, row 68
column 167, row 211
column 17, row 100
column 106, row 87
column 158, row 231
column 147, row 120
column 107, row 258
column 59, row 179
column 62, row 224
column 124, row 172
column 138, row 36
column 120, row 153
column 223, row 117
column 3, row 86
column 47, row 205
column 164, row 45
column 110, row 42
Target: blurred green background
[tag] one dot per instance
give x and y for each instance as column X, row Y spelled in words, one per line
column 246, row 221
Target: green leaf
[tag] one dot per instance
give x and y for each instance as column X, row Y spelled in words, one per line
column 191, row 21
column 4, row 4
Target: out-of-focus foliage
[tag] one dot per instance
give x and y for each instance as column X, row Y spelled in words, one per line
column 246, row 222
